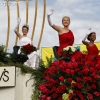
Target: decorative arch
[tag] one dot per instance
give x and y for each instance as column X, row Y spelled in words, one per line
column 34, row 22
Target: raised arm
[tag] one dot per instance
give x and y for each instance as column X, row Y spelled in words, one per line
column 56, row 27
column 84, row 40
column 16, row 28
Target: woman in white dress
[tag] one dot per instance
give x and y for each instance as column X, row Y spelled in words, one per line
column 33, row 58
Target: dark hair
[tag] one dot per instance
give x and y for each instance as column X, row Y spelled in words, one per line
column 25, row 26
column 90, row 35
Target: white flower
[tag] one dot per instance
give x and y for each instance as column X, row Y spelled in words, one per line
column 69, row 49
column 73, row 49
column 66, row 49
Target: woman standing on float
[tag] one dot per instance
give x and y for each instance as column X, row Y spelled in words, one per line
column 92, row 50
column 66, row 37
column 33, row 58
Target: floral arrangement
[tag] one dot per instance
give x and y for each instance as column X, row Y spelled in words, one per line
column 71, row 81
column 69, row 49
column 27, row 49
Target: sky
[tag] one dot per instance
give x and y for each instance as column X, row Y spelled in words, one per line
column 84, row 14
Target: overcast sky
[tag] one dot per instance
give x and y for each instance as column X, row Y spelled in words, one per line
column 84, row 14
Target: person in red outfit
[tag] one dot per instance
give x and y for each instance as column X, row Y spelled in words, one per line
column 66, row 37
column 92, row 49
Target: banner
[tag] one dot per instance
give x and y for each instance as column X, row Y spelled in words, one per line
column 7, row 76
column 46, row 52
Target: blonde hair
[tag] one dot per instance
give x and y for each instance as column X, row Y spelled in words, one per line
column 66, row 17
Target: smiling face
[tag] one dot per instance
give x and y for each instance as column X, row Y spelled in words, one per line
column 92, row 36
column 66, row 21
column 24, row 30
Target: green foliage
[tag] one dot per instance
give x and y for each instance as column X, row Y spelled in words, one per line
column 3, row 54
column 38, row 77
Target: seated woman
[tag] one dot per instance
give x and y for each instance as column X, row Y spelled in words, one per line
column 66, row 37
column 33, row 57
column 92, row 55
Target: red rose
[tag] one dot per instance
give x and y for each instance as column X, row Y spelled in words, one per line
column 68, row 71
column 88, row 88
column 75, row 64
column 41, row 87
column 96, row 76
column 93, row 86
column 60, row 98
column 92, row 69
column 89, row 78
column 85, row 79
column 77, row 70
column 76, row 99
column 61, row 89
column 54, row 95
column 48, row 98
column 61, row 78
column 72, row 72
column 73, row 59
column 79, row 85
column 70, row 96
column 90, row 96
column 97, row 93
column 70, row 80
column 78, row 79
column 43, row 96
column 86, row 70
column 74, row 84
column 69, row 65
column 54, row 89
column 97, row 66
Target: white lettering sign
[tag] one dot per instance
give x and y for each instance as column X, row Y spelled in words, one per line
column 7, row 76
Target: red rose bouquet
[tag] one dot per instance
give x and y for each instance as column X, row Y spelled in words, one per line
column 27, row 49
column 71, row 81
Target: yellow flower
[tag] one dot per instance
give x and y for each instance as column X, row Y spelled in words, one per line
column 70, row 91
column 73, row 82
column 65, row 96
